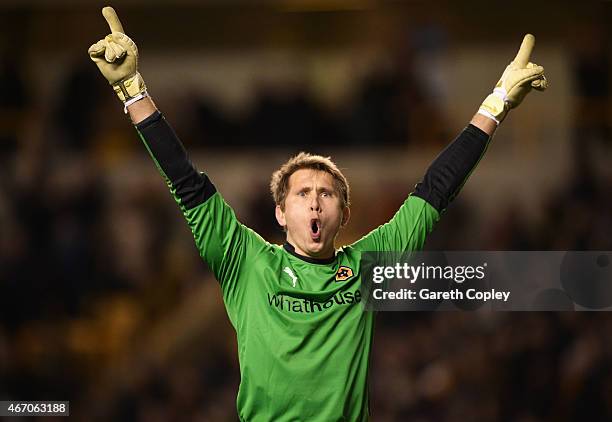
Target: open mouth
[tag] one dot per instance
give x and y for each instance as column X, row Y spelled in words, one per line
column 315, row 229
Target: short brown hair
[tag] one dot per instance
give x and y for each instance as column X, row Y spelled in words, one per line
column 279, row 185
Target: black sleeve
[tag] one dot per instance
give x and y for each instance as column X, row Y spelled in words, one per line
column 449, row 171
column 190, row 187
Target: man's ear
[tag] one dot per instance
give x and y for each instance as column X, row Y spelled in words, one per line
column 280, row 216
column 346, row 216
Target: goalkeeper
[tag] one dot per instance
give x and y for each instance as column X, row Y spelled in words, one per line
column 303, row 339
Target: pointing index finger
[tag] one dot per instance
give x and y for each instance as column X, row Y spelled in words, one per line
column 522, row 57
column 112, row 19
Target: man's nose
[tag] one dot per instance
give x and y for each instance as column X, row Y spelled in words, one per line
column 314, row 203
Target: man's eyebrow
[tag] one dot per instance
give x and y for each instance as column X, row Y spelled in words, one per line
column 333, row 190
column 308, row 188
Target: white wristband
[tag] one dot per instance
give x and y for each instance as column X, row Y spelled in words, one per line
column 489, row 115
column 133, row 100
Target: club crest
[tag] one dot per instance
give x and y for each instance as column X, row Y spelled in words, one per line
column 343, row 273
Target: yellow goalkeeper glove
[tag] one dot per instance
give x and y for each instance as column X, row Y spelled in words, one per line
column 117, row 58
column 516, row 82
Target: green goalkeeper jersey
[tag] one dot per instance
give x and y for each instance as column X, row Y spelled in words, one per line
column 304, row 340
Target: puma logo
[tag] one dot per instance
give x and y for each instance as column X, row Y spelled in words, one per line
column 290, row 273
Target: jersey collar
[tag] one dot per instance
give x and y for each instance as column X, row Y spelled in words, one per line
column 291, row 249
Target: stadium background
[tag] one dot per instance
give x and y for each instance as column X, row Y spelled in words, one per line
column 103, row 298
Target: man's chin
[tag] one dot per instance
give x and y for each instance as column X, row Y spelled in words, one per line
column 318, row 249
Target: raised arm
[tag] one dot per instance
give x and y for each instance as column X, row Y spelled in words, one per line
column 445, row 177
column 117, row 58
column 450, row 170
column 221, row 240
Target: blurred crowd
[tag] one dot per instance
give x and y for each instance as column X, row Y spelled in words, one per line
column 105, row 302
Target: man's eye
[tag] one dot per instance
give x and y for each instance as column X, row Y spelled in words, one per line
column 325, row 194
column 302, row 193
